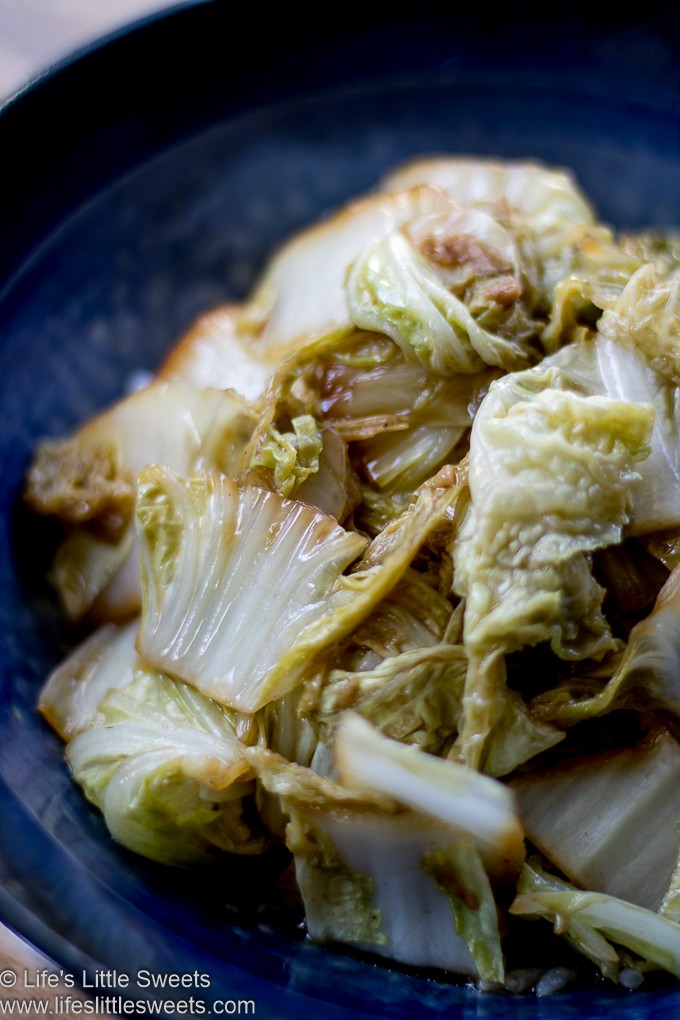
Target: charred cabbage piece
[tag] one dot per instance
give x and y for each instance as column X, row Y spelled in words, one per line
column 444, row 790
column 589, row 919
column 215, row 355
column 73, row 691
column 550, row 475
column 233, row 578
column 609, row 821
column 301, row 294
column 646, row 320
column 163, row 764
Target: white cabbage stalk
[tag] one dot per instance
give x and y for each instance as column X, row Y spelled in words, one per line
column 232, row 579
column 72, row 692
column 400, row 461
column 408, row 391
column 416, row 919
column 163, row 764
column 544, row 197
column 444, row 790
column 627, row 375
column 646, row 320
column 550, row 475
column 334, row 488
column 384, row 882
column 213, row 354
column 609, row 822
column 246, row 643
column 583, row 915
column 391, row 289
column 301, row 294
column 647, row 678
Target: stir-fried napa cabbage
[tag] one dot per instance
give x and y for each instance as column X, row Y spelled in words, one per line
column 592, row 921
column 550, row 476
column 215, row 355
column 88, row 482
column 646, row 319
column 404, row 528
column 610, row 821
column 648, row 676
column 300, row 295
column 165, row 767
column 451, row 322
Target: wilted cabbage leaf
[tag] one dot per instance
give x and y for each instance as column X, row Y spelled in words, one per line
column 72, row 692
column 413, row 697
column 550, row 475
column 458, row 872
column 583, row 915
column 301, row 294
column 392, row 289
column 647, row 678
column 293, row 456
column 646, row 320
column 163, row 764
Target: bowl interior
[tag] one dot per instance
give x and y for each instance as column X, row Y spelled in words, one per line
column 107, row 293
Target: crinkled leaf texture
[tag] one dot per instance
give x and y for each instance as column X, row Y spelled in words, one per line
column 301, row 294
column 413, row 697
column 646, row 319
column 163, row 764
column 585, row 915
column 609, row 821
column 392, row 289
column 444, row 790
column 550, row 474
column 233, row 579
column 73, row 691
column 293, row 456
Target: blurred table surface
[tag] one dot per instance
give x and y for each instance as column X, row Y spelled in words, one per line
column 33, row 35
column 36, row 33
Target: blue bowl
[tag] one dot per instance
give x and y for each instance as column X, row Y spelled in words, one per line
column 142, row 183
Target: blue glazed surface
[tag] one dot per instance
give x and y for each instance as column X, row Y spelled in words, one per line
column 107, row 293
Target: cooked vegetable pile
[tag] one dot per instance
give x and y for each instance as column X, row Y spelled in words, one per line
column 385, row 563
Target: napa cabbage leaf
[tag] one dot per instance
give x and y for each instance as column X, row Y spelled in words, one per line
column 584, row 916
column 550, row 474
